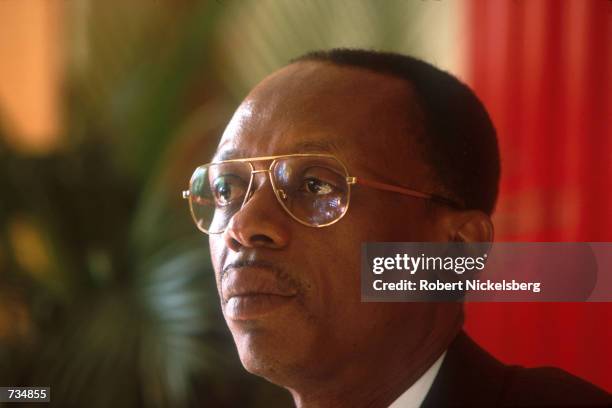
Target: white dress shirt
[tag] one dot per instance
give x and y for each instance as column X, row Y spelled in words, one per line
column 413, row 397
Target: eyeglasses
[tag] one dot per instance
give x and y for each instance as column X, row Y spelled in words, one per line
column 314, row 189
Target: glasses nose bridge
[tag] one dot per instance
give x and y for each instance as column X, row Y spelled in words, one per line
column 260, row 171
column 253, row 187
column 255, row 171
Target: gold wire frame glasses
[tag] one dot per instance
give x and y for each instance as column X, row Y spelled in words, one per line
column 314, row 189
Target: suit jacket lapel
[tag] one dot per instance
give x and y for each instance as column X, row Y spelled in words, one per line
column 469, row 376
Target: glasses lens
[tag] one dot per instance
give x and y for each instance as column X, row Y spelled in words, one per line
column 216, row 193
column 312, row 189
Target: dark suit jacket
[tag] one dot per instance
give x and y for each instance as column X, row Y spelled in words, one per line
column 470, row 377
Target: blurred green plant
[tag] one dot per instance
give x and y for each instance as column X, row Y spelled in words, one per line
column 106, row 289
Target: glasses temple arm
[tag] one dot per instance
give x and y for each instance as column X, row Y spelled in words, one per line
column 402, row 190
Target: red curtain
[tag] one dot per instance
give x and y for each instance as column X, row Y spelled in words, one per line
column 542, row 69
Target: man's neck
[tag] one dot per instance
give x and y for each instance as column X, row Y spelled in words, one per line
column 376, row 380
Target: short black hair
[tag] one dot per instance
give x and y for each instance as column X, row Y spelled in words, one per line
column 460, row 142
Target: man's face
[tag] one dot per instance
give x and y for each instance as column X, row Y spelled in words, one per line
column 291, row 293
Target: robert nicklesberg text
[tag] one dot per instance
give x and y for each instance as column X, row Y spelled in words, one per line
column 465, row 285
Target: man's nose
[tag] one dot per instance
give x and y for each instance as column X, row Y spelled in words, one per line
column 261, row 222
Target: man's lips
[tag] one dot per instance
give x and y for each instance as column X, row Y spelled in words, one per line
column 249, row 292
column 251, row 281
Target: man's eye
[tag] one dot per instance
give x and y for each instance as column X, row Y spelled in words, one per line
column 315, row 186
column 228, row 189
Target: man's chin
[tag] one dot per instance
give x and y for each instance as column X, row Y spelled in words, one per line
column 266, row 363
column 271, row 355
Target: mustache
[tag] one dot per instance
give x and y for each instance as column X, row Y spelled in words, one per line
column 280, row 273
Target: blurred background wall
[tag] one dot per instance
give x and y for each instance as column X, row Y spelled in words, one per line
column 106, row 108
column 542, row 68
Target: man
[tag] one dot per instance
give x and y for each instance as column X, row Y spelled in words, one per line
column 414, row 153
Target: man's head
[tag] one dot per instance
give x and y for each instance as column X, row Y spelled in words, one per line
column 290, row 293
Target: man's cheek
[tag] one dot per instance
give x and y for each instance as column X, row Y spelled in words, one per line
column 341, row 282
column 217, row 249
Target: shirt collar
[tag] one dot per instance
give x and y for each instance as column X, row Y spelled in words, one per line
column 413, row 397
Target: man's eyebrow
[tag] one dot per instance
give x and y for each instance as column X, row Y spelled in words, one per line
column 309, row 146
column 228, row 154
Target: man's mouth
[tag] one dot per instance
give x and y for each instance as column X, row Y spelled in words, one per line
column 251, row 292
column 254, row 306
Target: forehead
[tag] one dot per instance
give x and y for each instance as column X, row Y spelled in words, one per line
column 359, row 115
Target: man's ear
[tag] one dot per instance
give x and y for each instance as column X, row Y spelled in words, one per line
column 470, row 226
